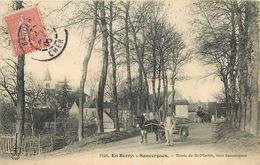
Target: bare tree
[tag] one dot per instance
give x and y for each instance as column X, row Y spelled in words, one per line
column 253, row 29
column 242, row 64
column 8, row 81
column 218, row 45
column 34, row 94
column 176, row 62
column 114, row 66
column 172, row 59
column 138, row 23
column 20, row 107
column 126, row 6
column 152, row 35
column 103, row 76
column 85, row 70
column 227, row 37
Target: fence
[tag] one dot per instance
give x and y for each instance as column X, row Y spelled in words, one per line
column 32, row 145
column 43, row 143
column 7, row 143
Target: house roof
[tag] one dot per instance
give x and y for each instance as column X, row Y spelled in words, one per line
column 92, row 104
column 110, row 116
column 181, row 102
column 178, row 98
column 75, row 109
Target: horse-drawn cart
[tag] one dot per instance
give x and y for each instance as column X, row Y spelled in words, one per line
column 153, row 125
column 181, row 129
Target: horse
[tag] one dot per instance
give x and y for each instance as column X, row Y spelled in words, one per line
column 205, row 116
column 147, row 125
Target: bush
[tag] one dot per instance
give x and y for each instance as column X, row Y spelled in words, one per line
column 7, row 117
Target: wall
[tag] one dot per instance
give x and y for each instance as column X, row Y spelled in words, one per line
column 181, row 111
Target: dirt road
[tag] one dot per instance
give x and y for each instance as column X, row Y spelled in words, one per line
column 199, row 148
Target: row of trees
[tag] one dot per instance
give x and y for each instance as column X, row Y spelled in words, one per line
column 228, row 38
column 136, row 37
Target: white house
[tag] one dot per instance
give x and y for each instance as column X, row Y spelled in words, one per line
column 90, row 114
column 181, row 108
column 181, row 104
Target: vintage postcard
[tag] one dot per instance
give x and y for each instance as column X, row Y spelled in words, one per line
column 129, row 82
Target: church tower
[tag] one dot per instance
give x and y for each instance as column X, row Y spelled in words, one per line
column 47, row 81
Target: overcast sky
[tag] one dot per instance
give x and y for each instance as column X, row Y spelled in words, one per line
column 69, row 64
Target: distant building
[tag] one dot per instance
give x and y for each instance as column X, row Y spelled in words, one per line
column 90, row 113
column 216, row 110
column 181, row 108
column 47, row 80
column 50, row 84
column 181, row 105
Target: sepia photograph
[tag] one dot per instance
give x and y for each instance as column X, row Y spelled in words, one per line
column 116, row 82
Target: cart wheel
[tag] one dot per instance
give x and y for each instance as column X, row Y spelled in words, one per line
column 162, row 136
column 184, row 133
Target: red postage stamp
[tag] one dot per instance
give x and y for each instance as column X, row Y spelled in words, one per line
column 26, row 31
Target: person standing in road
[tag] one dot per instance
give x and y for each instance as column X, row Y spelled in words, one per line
column 169, row 125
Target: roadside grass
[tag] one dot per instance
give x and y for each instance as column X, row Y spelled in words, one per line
column 88, row 143
column 93, row 141
column 235, row 139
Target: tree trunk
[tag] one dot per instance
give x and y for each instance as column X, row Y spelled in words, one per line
column 146, row 90
column 154, row 94
column 227, row 98
column 242, row 67
column 165, row 92
column 254, row 38
column 102, row 81
column 129, row 79
column 173, row 95
column 142, row 102
column 140, row 86
column 32, row 121
column 140, row 73
column 85, row 71
column 159, row 91
column 55, row 121
column 20, row 95
column 140, row 76
column 232, row 63
column 20, row 102
column 112, row 54
column 154, row 77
